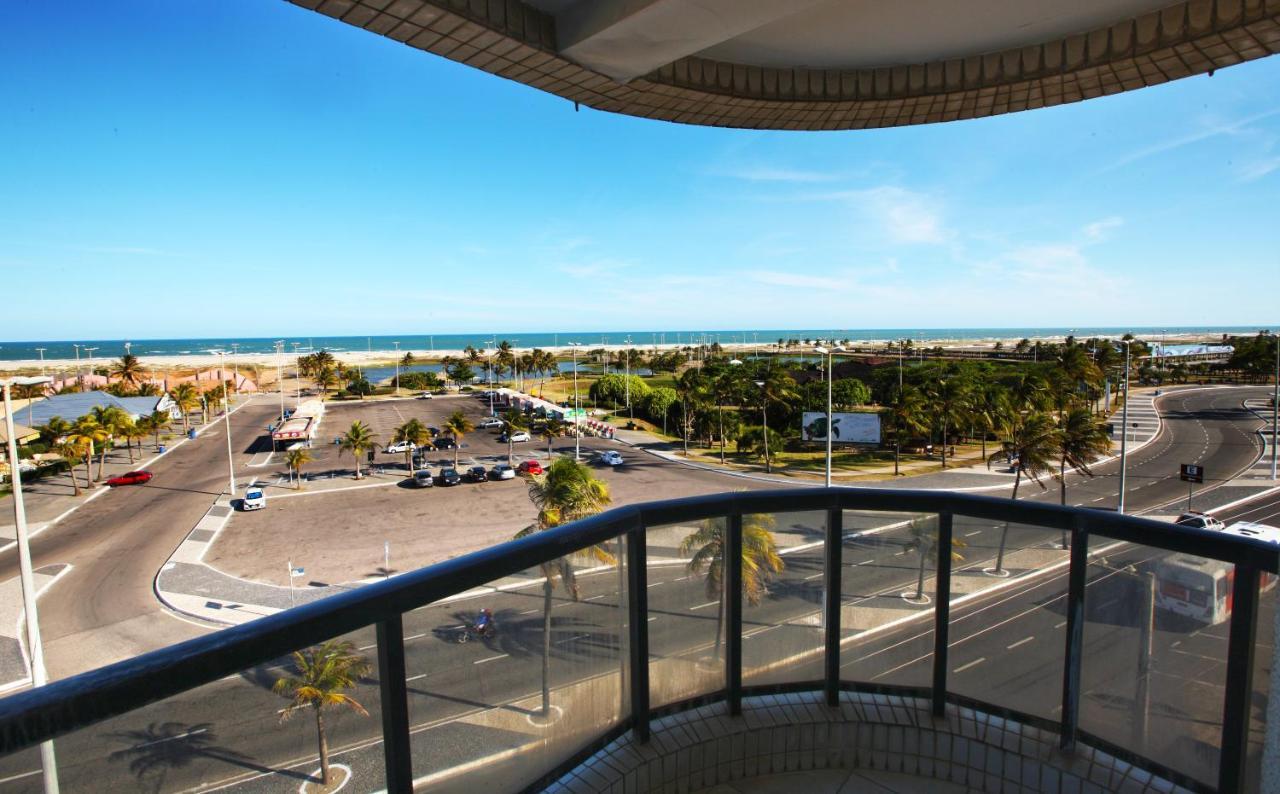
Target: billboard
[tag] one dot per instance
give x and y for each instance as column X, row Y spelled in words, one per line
column 851, row 428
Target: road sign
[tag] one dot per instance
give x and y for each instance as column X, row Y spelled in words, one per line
column 1190, row 472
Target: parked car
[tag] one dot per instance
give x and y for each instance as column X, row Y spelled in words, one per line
column 400, row 447
column 611, row 458
column 449, row 476
column 131, row 478
column 434, row 431
column 521, row 435
column 422, row 479
column 477, row 474
column 490, row 422
column 502, row 472
column 446, row 442
column 426, row 395
column 254, row 499
column 1195, row 518
column 530, row 467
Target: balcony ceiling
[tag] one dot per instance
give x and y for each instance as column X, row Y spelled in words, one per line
column 826, row 64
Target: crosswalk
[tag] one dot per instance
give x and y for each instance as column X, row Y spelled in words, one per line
column 1261, row 470
column 1144, row 422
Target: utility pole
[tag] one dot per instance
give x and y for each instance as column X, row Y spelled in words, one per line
column 79, row 374
column 235, row 368
column 280, row 374
column 226, row 417
column 397, row 344
column 41, row 350
column 1124, row 427
column 577, row 406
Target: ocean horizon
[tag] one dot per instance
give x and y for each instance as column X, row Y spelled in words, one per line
column 418, row 343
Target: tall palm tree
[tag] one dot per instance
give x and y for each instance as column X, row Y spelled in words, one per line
column 567, row 492
column 514, row 421
column 725, row 385
column 54, row 429
column 1031, row 441
column 112, row 419
column 187, row 399
column 906, row 414
column 158, row 422
column 326, row 379
column 760, row 559
column 691, row 386
column 457, row 425
column 1082, row 439
column 321, row 674
column 132, row 431
column 417, row 434
column 775, row 386
column 71, row 452
column 950, row 398
column 295, row 459
column 86, row 433
column 128, row 369
column 357, row 441
column 1028, row 391
column 551, row 430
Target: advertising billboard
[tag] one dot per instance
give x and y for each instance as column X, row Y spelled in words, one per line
column 859, row 428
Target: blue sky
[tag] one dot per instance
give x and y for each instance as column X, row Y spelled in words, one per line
column 251, row 168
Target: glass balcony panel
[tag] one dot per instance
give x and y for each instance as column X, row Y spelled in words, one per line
column 1154, row 672
column 494, row 710
column 887, row 597
column 1263, row 659
column 232, row 732
column 1008, row 616
column 686, row 617
column 782, row 637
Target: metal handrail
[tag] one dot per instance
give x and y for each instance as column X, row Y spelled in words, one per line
column 50, row 711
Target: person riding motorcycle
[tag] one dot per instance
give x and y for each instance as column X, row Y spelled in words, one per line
column 484, row 625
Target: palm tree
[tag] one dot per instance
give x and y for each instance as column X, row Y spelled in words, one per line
column 295, row 459
column 515, row 421
column 128, row 369
column 157, row 423
column 949, row 396
column 357, row 441
column 85, row 434
column 775, row 386
column 132, row 431
column 760, row 559
column 71, row 452
column 924, row 541
column 457, row 425
column 113, row 420
column 692, row 388
column 417, row 434
column 1082, row 439
column 1031, row 440
column 906, row 418
column 187, row 399
column 567, row 492
column 321, row 675
column 551, row 430
column 724, row 386
column 54, row 429
column 326, row 379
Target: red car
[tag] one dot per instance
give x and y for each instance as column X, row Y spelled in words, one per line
column 530, row 467
column 131, row 478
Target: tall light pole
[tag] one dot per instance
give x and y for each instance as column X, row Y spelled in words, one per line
column 1124, row 425
column 235, row 367
column 764, row 419
column 1275, row 407
column 226, row 417
column 830, row 376
column 39, row 677
column 397, row 344
column 577, row 406
column 280, row 374
column 79, row 374
column 627, row 354
column 41, row 350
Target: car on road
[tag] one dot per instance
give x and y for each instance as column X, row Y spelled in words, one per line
column 131, row 478
column 491, row 422
column 520, row 435
column 426, row 395
column 477, row 474
column 400, row 447
column 1198, row 520
column 422, row 479
column 611, row 458
column 449, row 476
column 254, row 499
column 502, row 472
column 530, row 467
column 446, row 442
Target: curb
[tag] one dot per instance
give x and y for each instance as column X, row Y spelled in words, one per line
column 18, row 683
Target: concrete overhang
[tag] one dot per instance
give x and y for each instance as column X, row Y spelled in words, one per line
column 826, row 64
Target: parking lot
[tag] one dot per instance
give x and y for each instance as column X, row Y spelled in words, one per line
column 336, row 528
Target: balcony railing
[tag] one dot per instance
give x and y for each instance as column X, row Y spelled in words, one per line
column 881, row 590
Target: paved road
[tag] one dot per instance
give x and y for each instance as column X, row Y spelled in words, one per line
column 492, row 686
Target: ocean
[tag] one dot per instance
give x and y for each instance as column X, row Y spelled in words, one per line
column 418, row 343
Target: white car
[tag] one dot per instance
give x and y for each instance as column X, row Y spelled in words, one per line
column 520, row 435
column 426, row 395
column 254, row 499
column 492, row 421
column 1198, row 520
column 611, row 458
column 400, row 447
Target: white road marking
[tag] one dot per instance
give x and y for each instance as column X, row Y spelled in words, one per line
column 652, row 619
column 974, row 663
column 811, row 578
column 594, row 597
column 655, row 584
column 491, row 658
column 527, row 612
column 1060, row 625
column 971, row 534
column 415, row 677
column 571, row 639
column 1022, row 641
column 19, row 777
column 704, row 606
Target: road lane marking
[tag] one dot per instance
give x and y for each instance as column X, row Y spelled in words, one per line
column 652, row 619
column 527, row 612
column 415, row 677
column 196, row 732
column 491, row 658
column 704, row 606
column 1060, row 625
column 971, row 534
column 414, row 637
column 19, row 777
column 572, row 639
column 655, row 584
column 1022, row 641
column 815, row 576
column 594, row 597
column 974, row 663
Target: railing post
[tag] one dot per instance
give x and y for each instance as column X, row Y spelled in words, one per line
column 397, row 761
column 733, row 614
column 834, row 561
column 1235, row 711
column 941, row 614
column 1075, row 634
column 638, row 631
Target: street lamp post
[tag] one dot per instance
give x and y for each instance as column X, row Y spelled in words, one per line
column 627, row 354
column 89, row 350
column 577, row 406
column 830, row 377
column 41, row 350
column 79, row 374
column 39, row 677
column 397, row 344
column 764, row 420
column 226, row 417
column 1275, row 408
column 1124, row 426
column 235, row 367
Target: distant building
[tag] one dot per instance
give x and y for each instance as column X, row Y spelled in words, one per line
column 77, row 404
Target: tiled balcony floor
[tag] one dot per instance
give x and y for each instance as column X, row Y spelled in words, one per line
column 839, row 781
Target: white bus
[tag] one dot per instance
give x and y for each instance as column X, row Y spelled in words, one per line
column 1201, row 589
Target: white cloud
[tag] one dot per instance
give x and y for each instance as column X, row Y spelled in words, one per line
column 906, row 216
column 782, row 279
column 1098, row 230
column 1211, row 131
column 1257, row 169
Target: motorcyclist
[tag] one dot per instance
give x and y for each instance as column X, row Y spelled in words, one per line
column 484, row 622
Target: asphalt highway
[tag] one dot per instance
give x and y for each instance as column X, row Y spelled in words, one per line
column 471, row 700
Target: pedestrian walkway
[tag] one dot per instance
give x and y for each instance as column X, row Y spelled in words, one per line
column 15, row 664
column 1261, row 469
column 1144, row 421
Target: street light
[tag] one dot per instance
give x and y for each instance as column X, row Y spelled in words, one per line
column 226, row 416
column 38, row 675
column 627, row 354
column 1275, row 408
column 397, row 344
column 830, row 376
column 1124, row 425
column 577, row 406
